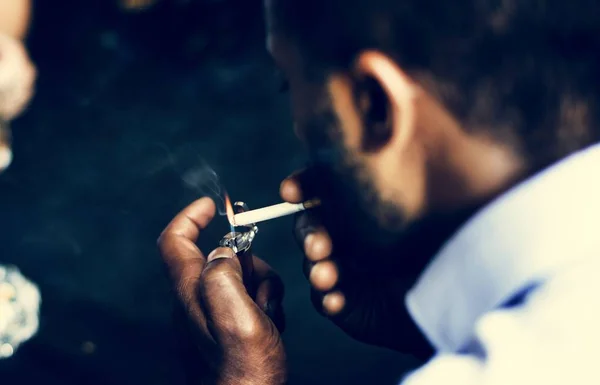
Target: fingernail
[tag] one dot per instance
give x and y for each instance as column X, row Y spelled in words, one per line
column 289, row 191
column 324, row 276
column 334, row 303
column 221, row 252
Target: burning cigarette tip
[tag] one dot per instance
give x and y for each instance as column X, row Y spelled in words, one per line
column 312, row 203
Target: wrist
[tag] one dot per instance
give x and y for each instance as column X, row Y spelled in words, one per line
column 269, row 370
column 270, row 378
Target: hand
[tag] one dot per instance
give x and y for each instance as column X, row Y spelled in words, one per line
column 237, row 342
column 361, row 294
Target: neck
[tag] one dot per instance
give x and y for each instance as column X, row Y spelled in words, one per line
column 471, row 170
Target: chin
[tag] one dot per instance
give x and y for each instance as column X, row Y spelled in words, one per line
column 353, row 202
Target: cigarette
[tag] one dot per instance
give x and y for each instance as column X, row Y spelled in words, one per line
column 272, row 212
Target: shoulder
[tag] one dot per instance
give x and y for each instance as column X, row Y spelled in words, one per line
column 555, row 323
column 570, row 296
column 549, row 337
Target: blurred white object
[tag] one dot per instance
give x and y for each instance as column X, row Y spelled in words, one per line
column 6, row 156
column 17, row 77
column 5, row 150
column 17, row 80
column 19, row 310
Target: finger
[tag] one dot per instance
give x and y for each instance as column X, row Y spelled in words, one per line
column 324, row 275
column 301, row 185
column 310, row 262
column 194, row 218
column 290, row 190
column 329, row 305
column 182, row 257
column 305, row 223
column 318, row 245
column 334, row 303
column 177, row 245
column 269, row 292
column 232, row 315
column 318, row 269
column 269, row 286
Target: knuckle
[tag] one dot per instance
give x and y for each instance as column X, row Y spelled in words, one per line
column 164, row 242
column 167, row 254
column 160, row 241
column 244, row 329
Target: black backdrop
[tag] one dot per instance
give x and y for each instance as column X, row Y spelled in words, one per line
column 126, row 104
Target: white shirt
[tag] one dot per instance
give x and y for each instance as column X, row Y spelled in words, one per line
column 514, row 297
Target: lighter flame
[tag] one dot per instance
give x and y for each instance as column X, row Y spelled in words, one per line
column 229, row 210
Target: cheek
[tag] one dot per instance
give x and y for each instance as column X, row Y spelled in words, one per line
column 303, row 100
column 298, row 105
column 399, row 180
column 312, row 122
column 343, row 103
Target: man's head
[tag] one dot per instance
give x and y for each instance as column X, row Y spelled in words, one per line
column 438, row 106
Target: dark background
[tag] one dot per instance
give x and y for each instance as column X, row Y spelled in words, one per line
column 127, row 106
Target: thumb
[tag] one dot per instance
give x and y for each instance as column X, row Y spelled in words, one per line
column 232, row 316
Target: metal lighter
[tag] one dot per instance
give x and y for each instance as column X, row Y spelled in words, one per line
column 240, row 241
column 20, row 301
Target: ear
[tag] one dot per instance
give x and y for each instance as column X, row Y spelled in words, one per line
column 385, row 97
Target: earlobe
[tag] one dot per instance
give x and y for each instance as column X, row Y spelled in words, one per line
column 398, row 94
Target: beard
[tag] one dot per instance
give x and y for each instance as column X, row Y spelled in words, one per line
column 362, row 224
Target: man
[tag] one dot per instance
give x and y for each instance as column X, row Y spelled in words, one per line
column 457, row 144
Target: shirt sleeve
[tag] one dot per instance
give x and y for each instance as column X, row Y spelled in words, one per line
column 551, row 338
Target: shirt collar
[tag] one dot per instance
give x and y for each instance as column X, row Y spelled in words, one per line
column 540, row 226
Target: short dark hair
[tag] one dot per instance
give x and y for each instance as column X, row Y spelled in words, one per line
column 526, row 72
